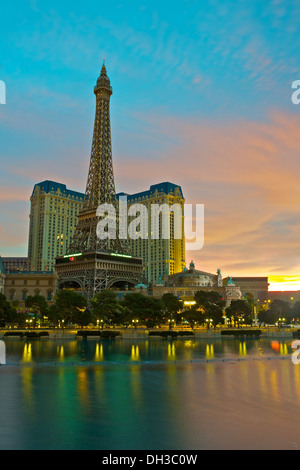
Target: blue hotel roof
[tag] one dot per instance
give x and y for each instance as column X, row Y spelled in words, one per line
column 165, row 188
column 48, row 186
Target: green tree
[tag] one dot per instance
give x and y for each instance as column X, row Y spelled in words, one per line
column 214, row 313
column 5, row 311
column 38, row 305
column 82, row 316
column 153, row 313
column 70, row 307
column 172, row 306
column 281, row 309
column 106, row 307
column 194, row 315
column 210, row 306
column 268, row 316
column 54, row 317
column 296, row 311
column 239, row 310
column 249, row 298
column 147, row 310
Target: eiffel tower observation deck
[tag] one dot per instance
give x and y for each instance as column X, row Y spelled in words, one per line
column 93, row 263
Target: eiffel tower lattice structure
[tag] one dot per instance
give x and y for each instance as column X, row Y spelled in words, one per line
column 92, row 263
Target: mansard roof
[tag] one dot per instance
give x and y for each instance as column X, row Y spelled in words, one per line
column 49, row 186
column 164, row 188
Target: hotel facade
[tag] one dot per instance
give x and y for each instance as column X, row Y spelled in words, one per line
column 161, row 256
column 53, row 218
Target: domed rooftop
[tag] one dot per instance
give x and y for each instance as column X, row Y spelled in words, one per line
column 191, row 276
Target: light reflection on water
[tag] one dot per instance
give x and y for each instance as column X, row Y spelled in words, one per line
column 245, row 404
column 74, row 351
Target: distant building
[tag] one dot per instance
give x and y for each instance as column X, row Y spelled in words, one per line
column 287, row 296
column 192, row 277
column 160, row 256
column 20, row 285
column 185, row 285
column 53, row 218
column 15, row 263
column 257, row 286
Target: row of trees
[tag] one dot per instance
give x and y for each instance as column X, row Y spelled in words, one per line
column 207, row 309
column 105, row 309
column 280, row 312
column 134, row 309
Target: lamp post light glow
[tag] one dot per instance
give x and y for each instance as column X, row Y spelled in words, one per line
column 189, row 303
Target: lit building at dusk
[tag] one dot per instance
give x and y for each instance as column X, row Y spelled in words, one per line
column 53, row 218
column 14, row 263
column 160, row 256
column 20, row 285
column 187, row 283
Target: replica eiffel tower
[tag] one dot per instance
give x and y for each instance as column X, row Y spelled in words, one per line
column 92, row 263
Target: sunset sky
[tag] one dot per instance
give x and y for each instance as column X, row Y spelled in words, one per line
column 202, row 98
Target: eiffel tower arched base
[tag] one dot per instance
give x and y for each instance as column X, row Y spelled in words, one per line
column 94, row 271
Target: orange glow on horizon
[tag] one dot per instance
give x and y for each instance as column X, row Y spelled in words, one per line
column 284, row 283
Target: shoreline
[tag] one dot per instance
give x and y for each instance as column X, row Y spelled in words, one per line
column 146, row 334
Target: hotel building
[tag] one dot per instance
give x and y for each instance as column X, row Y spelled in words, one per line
column 160, row 256
column 53, row 218
column 15, row 263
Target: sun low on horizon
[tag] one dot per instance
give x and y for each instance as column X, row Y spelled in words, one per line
column 284, row 283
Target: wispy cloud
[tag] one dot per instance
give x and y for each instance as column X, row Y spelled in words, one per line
column 246, row 174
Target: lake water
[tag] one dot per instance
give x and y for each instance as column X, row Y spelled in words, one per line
column 149, row 395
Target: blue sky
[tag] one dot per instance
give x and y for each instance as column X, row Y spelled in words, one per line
column 197, row 86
